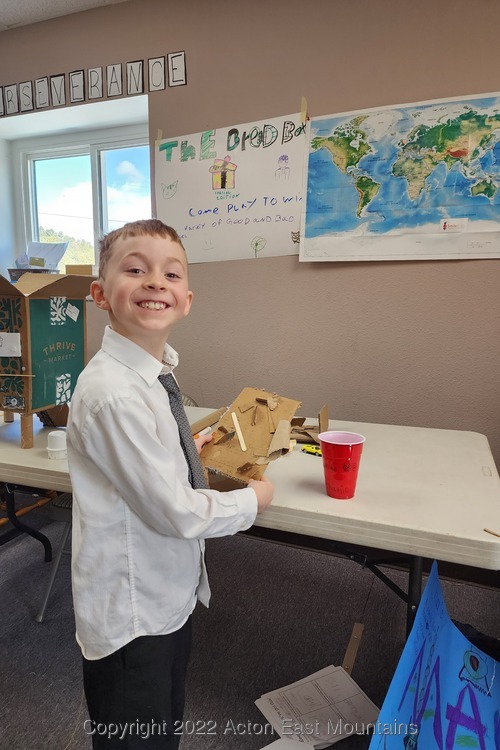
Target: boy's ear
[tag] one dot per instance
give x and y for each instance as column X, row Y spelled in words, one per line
column 189, row 302
column 97, row 293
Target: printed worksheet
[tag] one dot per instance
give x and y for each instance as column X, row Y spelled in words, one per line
column 320, row 709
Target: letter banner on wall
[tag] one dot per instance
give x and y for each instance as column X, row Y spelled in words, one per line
column 445, row 693
column 234, row 192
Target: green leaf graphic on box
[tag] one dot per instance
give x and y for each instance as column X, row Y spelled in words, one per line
column 10, row 314
column 12, row 385
column 10, row 365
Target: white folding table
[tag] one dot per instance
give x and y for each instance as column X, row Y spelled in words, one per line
column 421, row 492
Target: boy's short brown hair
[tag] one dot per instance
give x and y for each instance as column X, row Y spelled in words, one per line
column 151, row 227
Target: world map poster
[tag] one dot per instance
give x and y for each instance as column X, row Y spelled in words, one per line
column 413, row 181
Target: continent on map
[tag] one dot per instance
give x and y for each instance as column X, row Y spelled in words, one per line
column 484, row 187
column 459, row 141
column 367, row 189
column 347, row 146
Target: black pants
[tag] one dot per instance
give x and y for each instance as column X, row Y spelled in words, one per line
column 135, row 696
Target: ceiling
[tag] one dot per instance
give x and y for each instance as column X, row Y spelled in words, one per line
column 14, row 13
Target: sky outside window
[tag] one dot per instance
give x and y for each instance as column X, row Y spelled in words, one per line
column 64, row 196
column 126, row 185
column 64, row 191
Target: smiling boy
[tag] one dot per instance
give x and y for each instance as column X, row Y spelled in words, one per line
column 138, row 524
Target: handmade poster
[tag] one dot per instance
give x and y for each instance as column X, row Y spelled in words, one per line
column 234, row 192
column 415, row 181
column 445, row 693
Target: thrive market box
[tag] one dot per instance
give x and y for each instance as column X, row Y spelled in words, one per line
column 42, row 343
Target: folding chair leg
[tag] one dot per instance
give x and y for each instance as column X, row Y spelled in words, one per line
column 55, row 566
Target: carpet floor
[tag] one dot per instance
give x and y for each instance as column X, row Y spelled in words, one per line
column 277, row 615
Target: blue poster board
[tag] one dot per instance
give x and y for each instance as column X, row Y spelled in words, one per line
column 445, row 693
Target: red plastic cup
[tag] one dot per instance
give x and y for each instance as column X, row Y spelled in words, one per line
column 341, row 453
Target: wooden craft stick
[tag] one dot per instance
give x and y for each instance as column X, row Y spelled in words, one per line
column 238, row 431
column 353, row 646
column 489, row 531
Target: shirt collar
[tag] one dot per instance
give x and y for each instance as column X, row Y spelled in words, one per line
column 136, row 358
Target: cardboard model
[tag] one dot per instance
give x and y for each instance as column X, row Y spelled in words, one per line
column 253, row 431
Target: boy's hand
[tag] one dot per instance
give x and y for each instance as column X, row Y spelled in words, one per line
column 264, row 489
column 201, row 440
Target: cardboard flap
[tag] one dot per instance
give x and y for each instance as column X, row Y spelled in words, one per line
column 245, row 433
column 33, row 282
column 280, row 442
column 308, row 433
column 45, row 285
column 7, row 289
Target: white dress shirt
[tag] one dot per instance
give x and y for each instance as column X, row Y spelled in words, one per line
column 138, row 526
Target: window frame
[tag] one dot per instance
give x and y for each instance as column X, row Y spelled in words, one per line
column 24, row 152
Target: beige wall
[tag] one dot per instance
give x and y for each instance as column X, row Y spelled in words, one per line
column 402, row 342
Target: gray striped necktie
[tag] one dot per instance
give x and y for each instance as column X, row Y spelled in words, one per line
column 196, row 473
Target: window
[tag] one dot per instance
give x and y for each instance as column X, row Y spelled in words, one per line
column 80, row 194
column 62, row 202
column 77, row 175
column 125, row 186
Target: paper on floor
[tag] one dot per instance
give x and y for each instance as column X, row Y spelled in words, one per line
column 320, row 709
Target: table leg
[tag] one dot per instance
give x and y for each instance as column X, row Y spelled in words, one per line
column 414, row 591
column 361, row 555
column 10, row 505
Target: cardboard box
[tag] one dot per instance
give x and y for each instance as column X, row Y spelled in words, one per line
column 16, row 273
column 42, row 342
column 41, row 256
column 84, row 269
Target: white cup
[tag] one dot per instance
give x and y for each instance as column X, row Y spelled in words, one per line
column 56, row 444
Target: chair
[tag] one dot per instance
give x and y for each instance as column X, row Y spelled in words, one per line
column 187, row 400
column 59, row 510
